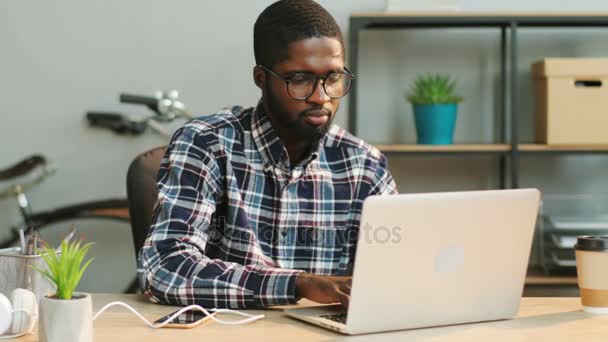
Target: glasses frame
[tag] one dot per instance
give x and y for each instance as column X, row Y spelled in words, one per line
column 287, row 79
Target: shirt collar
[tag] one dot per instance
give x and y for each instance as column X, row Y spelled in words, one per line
column 269, row 143
column 266, row 138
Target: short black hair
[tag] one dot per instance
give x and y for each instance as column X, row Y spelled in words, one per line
column 288, row 21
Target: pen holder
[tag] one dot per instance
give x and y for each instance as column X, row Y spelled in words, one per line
column 16, row 272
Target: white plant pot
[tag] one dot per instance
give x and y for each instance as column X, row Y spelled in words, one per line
column 66, row 320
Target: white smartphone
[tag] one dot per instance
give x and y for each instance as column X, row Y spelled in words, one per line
column 186, row 320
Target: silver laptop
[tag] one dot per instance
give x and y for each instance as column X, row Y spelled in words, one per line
column 426, row 260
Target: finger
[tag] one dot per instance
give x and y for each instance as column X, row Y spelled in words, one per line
column 345, row 288
column 343, row 298
column 348, row 280
column 340, row 278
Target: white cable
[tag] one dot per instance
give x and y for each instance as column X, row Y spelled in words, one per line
column 15, row 336
column 251, row 318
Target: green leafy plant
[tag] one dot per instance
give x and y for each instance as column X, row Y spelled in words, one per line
column 433, row 89
column 65, row 268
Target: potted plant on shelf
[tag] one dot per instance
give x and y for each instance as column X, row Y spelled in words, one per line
column 435, row 108
column 65, row 316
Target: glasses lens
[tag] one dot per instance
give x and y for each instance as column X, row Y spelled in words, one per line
column 337, row 85
column 301, row 85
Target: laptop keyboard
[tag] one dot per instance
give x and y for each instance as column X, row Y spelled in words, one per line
column 339, row 317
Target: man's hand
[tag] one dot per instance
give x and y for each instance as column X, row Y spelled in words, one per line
column 324, row 289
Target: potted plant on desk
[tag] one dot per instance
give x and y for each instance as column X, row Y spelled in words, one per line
column 435, row 108
column 65, row 316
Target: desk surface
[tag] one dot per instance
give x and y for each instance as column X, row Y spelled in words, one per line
column 539, row 319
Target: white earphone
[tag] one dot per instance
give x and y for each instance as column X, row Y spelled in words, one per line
column 18, row 315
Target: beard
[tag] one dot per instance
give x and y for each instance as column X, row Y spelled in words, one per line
column 295, row 129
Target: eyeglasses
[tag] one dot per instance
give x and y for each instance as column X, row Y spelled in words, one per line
column 301, row 85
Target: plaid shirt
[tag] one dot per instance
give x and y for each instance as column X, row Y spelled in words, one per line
column 234, row 223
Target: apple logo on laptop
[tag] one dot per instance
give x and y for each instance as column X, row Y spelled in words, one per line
column 449, row 259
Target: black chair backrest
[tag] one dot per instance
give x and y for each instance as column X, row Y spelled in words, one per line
column 142, row 192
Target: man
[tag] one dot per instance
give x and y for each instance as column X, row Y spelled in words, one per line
column 261, row 206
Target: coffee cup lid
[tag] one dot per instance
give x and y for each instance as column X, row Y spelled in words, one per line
column 592, row 243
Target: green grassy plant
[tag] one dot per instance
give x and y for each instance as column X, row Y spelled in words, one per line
column 433, row 89
column 65, row 268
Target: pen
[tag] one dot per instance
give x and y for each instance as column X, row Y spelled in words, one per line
column 36, row 238
column 22, row 240
column 30, row 245
column 67, row 237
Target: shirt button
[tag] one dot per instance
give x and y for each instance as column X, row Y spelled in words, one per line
column 284, row 233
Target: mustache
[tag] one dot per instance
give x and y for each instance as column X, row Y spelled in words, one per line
column 317, row 111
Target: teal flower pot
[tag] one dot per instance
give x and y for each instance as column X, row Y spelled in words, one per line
column 435, row 123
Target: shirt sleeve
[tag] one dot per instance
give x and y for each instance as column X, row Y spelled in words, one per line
column 383, row 182
column 172, row 265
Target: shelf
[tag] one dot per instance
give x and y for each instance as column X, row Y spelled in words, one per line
column 536, row 277
column 540, row 148
column 490, row 148
column 509, row 27
column 371, row 20
column 549, row 280
column 431, row 149
column 475, row 14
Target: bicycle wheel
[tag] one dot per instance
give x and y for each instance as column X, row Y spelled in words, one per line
column 105, row 222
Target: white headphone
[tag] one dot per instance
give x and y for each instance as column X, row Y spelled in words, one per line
column 18, row 315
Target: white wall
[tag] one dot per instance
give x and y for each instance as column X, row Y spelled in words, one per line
column 61, row 58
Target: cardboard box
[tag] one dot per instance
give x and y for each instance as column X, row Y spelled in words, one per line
column 571, row 101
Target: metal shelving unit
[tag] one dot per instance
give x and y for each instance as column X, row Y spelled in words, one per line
column 464, row 149
column 508, row 150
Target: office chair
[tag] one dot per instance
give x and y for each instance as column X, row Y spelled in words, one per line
column 142, row 192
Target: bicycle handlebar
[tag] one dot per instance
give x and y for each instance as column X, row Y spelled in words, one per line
column 149, row 101
column 47, row 171
column 95, row 117
column 116, row 122
column 165, row 105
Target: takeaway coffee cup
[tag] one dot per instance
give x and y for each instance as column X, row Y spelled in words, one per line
column 592, row 269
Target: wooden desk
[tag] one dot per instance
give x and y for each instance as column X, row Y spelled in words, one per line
column 539, row 319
